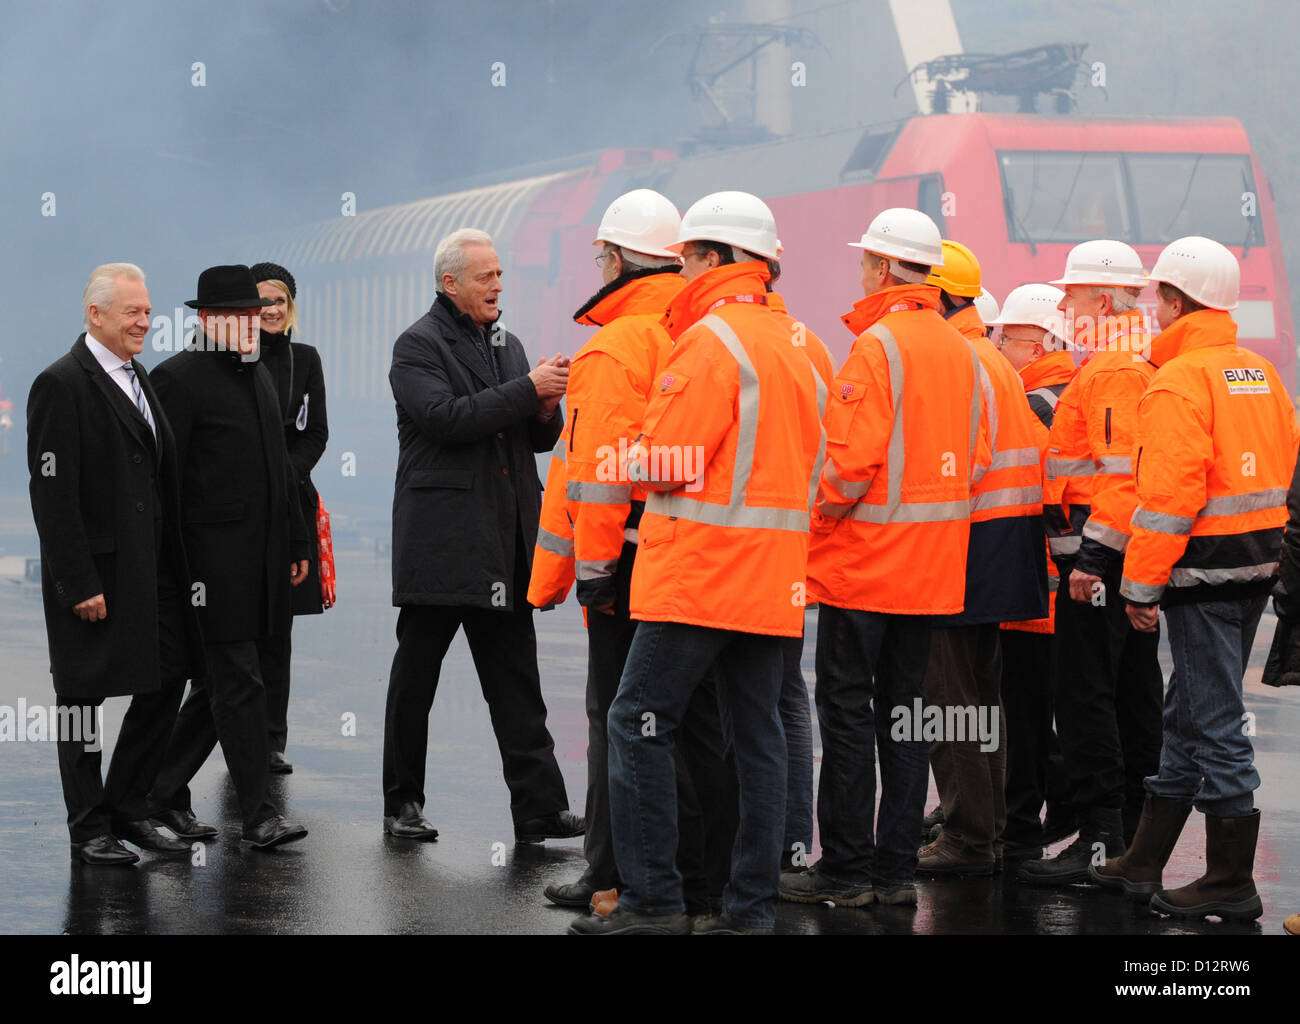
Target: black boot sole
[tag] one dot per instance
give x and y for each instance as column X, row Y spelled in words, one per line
column 1243, row 910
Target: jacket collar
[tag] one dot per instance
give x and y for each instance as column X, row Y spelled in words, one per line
column 966, row 318
column 646, row 290
column 692, row 303
column 895, row 299
column 123, row 408
column 1052, row 368
column 1203, row 329
column 450, row 312
column 1123, row 332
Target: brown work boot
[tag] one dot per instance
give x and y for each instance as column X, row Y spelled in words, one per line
column 1138, row 872
column 946, row 858
column 1227, row 889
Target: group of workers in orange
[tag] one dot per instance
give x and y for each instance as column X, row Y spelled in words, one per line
column 989, row 531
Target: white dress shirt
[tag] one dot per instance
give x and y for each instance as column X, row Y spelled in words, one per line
column 116, row 370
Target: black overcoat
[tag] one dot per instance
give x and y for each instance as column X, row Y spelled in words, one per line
column 99, row 482
column 467, row 482
column 240, row 515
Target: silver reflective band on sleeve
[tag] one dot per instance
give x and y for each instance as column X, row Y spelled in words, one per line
column 1253, row 501
column 1143, row 593
column 990, row 403
column 598, row 494
column 596, row 570
column 558, row 450
column 1108, row 535
column 1069, row 467
column 912, row 512
column 1008, row 458
column 630, row 535
column 847, row 488
column 1007, row 497
column 711, row 514
column 823, row 395
column 1047, row 395
column 1115, row 465
column 1064, row 546
column 556, row 545
column 1163, row 522
column 1190, row 577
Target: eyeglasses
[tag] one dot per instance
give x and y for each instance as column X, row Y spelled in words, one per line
column 603, row 257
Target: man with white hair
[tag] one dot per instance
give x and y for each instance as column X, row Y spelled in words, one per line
column 105, row 497
column 470, row 416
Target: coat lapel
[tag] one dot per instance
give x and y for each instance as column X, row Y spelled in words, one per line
column 122, row 406
column 462, row 344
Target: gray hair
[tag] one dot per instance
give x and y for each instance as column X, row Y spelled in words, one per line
column 450, row 258
column 101, row 289
column 1121, row 299
column 639, row 260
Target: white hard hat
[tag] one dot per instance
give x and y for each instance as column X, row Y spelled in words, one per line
column 1036, row 306
column 1201, row 269
column 641, row 220
column 733, row 218
column 987, row 306
column 903, row 234
column 1105, row 263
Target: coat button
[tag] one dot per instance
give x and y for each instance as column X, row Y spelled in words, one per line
column 500, row 434
column 504, row 470
column 135, row 458
column 139, row 506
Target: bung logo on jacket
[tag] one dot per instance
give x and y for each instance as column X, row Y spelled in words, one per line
column 1246, row 381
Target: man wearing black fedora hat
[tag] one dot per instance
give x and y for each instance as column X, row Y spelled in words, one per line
column 247, row 547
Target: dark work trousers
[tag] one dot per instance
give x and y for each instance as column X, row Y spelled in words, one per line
column 503, row 645
column 95, row 807
column 965, row 673
column 1109, row 697
column 707, row 798
column 228, row 706
column 1035, row 770
column 796, row 719
column 867, row 664
column 274, row 653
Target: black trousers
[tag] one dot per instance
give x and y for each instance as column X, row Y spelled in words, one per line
column 274, row 653
column 708, row 810
column 228, row 706
column 1109, row 696
column 95, row 807
column 503, row 645
column 1035, row 769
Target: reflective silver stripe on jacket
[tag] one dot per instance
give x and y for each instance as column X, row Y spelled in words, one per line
column 1192, row 576
column 734, row 513
column 595, row 570
column 985, row 390
column 1143, row 593
column 1055, row 468
column 558, row 451
column 1253, row 501
column 1064, row 546
column 1009, row 458
column 1115, row 539
column 848, row 488
column 556, row 545
column 1047, row 395
column 1111, row 465
column 598, row 494
column 1007, row 497
column 1162, row 522
column 630, row 535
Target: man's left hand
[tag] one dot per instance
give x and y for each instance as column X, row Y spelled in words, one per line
column 1083, row 586
column 297, row 572
column 1144, row 620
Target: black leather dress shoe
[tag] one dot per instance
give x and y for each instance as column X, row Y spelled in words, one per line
column 280, row 764
column 103, row 850
column 183, row 823
column 410, row 824
column 275, row 831
column 575, row 894
column 144, row 835
column 561, row 825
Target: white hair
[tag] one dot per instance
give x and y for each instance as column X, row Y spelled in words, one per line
column 1121, row 299
column 639, row 260
column 101, row 289
column 450, row 258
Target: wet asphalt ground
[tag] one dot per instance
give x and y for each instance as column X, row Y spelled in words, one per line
column 347, row 877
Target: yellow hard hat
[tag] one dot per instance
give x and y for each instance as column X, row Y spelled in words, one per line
column 960, row 273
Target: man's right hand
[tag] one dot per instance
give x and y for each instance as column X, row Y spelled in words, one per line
column 550, row 378
column 92, row 609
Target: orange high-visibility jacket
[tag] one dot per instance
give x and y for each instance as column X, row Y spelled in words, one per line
column 734, row 443
column 1216, row 449
column 904, row 428
column 588, row 501
column 1006, row 574
column 1088, row 497
column 1045, row 379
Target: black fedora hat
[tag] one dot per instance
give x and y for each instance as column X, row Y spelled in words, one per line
column 227, row 288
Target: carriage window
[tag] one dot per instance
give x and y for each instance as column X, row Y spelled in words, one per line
column 1064, row 197
column 1182, row 194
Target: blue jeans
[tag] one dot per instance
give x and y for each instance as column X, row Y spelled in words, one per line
column 1207, row 755
column 867, row 665
column 664, row 666
column 796, row 719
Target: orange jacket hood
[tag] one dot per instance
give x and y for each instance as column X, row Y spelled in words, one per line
column 1053, row 368
column 967, row 319
column 1202, row 329
column 692, row 303
column 648, row 291
column 866, row 312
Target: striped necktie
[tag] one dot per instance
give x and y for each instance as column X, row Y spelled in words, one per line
column 140, row 403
